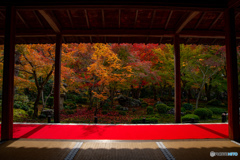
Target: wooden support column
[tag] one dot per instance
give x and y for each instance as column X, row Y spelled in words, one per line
column 177, row 79
column 8, row 75
column 57, row 78
column 232, row 75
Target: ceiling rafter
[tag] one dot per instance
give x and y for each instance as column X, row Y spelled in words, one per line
column 52, row 22
column 2, row 14
column 214, row 40
column 153, row 17
column 24, row 22
column 39, row 21
column 186, row 21
column 86, row 16
column 160, row 40
column 136, row 17
column 233, row 3
column 90, row 37
column 215, row 21
column 103, row 19
column 70, row 18
column 168, row 19
column 119, row 18
column 200, row 20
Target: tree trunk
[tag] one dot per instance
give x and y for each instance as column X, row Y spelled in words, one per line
column 96, row 110
column 36, row 103
column 199, row 94
column 154, row 92
column 189, row 96
column 90, row 97
column 138, row 91
column 208, row 89
column 112, row 91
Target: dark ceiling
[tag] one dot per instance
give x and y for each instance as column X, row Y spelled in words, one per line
column 196, row 22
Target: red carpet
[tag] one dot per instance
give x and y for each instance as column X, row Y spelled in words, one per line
column 120, row 132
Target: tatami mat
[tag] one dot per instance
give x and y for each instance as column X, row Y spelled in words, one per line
column 25, row 149
column 35, row 150
column 120, row 151
column 200, row 149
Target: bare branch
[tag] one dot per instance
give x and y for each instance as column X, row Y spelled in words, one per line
column 23, row 70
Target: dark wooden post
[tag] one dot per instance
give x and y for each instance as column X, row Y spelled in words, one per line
column 57, row 78
column 8, row 75
column 177, row 79
column 232, row 75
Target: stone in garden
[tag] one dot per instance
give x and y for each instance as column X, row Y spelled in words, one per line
column 62, row 97
column 171, row 111
column 128, row 102
column 48, row 112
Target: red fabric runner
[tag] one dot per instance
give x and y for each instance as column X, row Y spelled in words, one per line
column 120, row 132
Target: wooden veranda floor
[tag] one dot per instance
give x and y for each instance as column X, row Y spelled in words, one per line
column 32, row 149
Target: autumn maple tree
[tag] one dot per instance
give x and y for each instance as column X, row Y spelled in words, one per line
column 107, row 72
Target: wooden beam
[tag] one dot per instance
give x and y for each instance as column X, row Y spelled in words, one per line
column 90, row 37
column 200, row 20
column 70, row 18
column 205, row 7
column 119, row 18
column 57, row 78
column 50, row 21
column 24, row 22
column 86, row 16
column 39, row 21
column 186, row 21
column 103, row 19
column 8, row 74
column 233, row 3
column 232, row 76
column 177, row 79
column 2, row 14
column 187, row 40
column 122, row 33
column 153, row 17
column 135, row 22
column 213, row 42
column 168, row 19
column 160, row 41
column 215, row 21
column 237, row 15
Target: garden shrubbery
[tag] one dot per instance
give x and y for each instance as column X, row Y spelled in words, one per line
column 122, row 113
column 189, row 117
column 203, row 113
column 214, row 102
column 183, row 109
column 187, row 106
column 209, row 113
column 144, row 105
column 162, row 108
column 147, row 120
column 19, row 114
column 150, row 110
column 216, row 110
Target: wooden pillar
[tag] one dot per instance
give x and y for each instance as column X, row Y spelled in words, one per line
column 177, row 79
column 57, row 78
column 232, row 75
column 8, row 75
